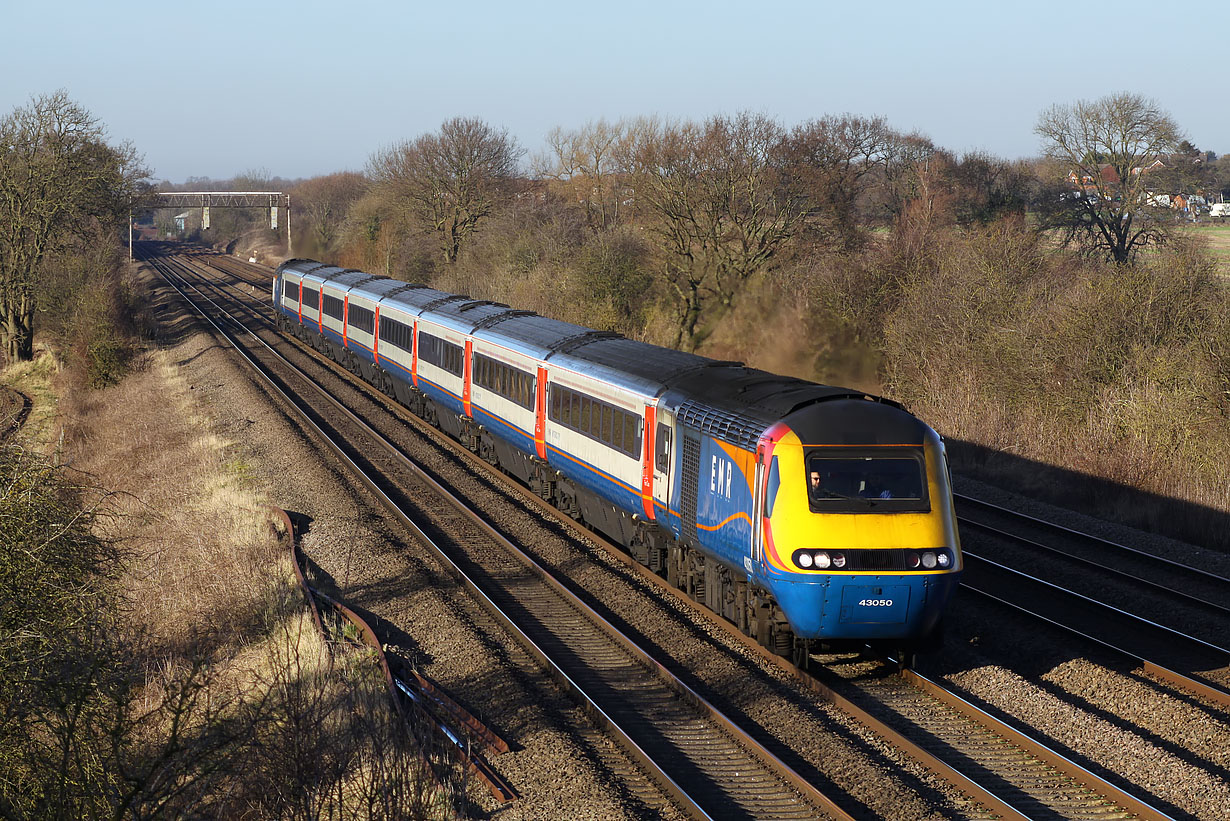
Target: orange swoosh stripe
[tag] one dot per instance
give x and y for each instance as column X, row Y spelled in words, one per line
column 726, row 521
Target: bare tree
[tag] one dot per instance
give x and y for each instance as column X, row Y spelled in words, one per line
column 987, row 187
column 836, row 160
column 56, row 173
column 1103, row 203
column 585, row 164
column 325, row 202
column 902, row 178
column 716, row 199
column 1186, row 171
column 451, row 180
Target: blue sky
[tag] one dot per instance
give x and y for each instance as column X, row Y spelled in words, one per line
column 217, row 88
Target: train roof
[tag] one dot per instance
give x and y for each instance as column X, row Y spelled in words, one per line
column 736, row 403
column 413, row 299
column 466, row 314
column 638, row 366
column 383, row 288
column 343, row 279
column 724, row 399
column 300, row 266
column 528, row 333
column 848, row 421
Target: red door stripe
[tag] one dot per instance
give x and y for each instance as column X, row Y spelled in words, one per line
column 414, row 356
column 647, row 463
column 540, row 414
column 465, row 378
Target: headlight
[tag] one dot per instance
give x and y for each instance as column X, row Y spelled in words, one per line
column 822, row 560
column 911, row 560
column 839, row 560
column 943, row 559
column 804, row 559
column 928, row 560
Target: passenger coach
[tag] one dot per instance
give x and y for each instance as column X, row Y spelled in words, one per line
column 799, row 511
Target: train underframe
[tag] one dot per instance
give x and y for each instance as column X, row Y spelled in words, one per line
column 703, row 579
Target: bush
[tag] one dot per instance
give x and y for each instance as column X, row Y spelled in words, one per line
column 1111, row 371
column 51, row 571
column 85, row 304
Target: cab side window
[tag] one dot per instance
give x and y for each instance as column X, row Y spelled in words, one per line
column 772, row 485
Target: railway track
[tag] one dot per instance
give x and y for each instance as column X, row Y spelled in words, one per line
column 1167, row 616
column 1055, row 789
column 1184, row 582
column 706, row 763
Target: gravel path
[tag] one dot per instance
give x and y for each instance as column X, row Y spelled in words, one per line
column 13, row 406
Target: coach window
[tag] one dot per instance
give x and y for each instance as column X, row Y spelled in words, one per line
column 364, row 319
column 631, row 434
column 607, row 413
column 586, row 404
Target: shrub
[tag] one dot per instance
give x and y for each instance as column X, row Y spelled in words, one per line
column 1117, row 372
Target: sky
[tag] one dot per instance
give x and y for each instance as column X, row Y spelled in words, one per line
column 295, row 90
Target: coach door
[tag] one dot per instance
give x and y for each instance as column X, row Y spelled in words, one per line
column 664, row 453
column 758, row 492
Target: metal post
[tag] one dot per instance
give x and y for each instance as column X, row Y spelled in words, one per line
column 130, row 236
column 290, row 245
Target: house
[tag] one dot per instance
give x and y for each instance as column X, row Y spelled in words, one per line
column 1156, row 165
column 1107, row 175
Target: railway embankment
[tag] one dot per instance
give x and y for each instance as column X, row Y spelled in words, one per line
column 186, row 678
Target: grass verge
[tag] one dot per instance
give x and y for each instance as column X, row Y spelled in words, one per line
column 197, row 687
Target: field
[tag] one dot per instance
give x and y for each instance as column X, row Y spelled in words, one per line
column 1218, row 237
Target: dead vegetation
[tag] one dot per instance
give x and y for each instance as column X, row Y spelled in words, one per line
column 1116, row 373
column 168, row 670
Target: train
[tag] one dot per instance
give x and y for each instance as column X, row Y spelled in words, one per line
column 808, row 515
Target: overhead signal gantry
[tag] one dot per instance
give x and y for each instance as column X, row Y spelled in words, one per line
column 273, row 200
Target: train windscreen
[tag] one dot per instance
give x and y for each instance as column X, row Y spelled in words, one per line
column 851, row 481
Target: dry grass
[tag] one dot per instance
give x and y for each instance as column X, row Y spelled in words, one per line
column 224, row 673
column 204, row 554
column 37, row 380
